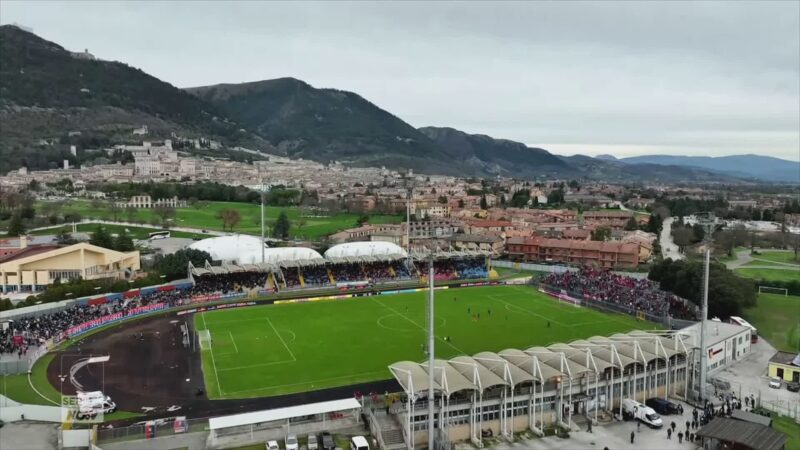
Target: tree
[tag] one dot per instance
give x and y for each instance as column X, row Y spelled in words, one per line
column 101, row 238
column 282, row 226
column 632, row 224
column 229, row 217
column 442, row 199
column 461, row 203
column 175, row 266
column 362, row 220
column 165, row 213
column 484, row 205
column 601, row 234
column 113, row 208
column 555, row 197
column 16, row 227
column 123, row 242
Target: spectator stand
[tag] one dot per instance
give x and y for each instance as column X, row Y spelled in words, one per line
column 259, row 426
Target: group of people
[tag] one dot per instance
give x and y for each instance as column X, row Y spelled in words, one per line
column 470, row 269
column 24, row 334
column 229, row 283
column 632, row 294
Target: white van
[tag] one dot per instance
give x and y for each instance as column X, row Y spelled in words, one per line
column 359, row 443
column 631, row 409
column 93, row 403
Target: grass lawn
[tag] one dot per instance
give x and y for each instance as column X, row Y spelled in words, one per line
column 790, row 427
column 280, row 349
column 203, row 216
column 770, row 274
column 777, row 318
column 779, row 257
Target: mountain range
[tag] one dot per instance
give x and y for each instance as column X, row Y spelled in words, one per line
column 744, row 166
column 47, row 92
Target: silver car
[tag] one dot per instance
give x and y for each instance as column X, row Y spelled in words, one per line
column 312, row 442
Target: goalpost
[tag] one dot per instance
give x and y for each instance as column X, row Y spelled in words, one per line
column 773, row 290
column 204, row 339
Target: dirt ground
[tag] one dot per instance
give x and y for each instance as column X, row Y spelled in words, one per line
column 151, row 372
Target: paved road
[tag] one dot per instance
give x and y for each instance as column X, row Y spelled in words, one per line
column 743, row 257
column 668, row 247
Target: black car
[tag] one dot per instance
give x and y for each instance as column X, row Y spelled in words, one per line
column 793, row 386
column 663, row 407
column 327, row 441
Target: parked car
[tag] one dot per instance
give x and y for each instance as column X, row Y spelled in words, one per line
column 662, row 406
column 359, row 443
column 272, row 445
column 327, row 441
column 312, row 442
column 794, row 386
column 775, row 383
column 291, row 442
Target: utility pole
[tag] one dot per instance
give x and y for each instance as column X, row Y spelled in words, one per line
column 708, row 222
column 431, row 398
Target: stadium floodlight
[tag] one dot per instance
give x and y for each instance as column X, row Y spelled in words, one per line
column 431, row 358
column 709, row 223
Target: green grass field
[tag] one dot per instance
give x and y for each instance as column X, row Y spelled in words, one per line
column 280, row 349
column 777, row 318
column 791, row 428
column 789, row 274
column 778, row 257
column 203, row 216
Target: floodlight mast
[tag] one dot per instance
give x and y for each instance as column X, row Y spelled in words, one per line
column 263, row 239
column 431, row 399
column 708, row 222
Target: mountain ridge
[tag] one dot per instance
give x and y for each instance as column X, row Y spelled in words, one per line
column 748, row 165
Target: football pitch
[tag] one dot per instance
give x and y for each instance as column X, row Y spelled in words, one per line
column 280, row 349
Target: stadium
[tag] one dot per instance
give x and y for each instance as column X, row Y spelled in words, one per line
column 262, row 328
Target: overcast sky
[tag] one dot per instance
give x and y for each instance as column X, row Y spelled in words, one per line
column 621, row 78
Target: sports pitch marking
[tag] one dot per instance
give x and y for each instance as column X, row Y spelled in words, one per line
column 213, row 363
column 281, row 339
column 234, row 341
column 416, row 324
column 311, row 383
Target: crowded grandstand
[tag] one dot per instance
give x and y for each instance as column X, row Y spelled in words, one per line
column 355, row 265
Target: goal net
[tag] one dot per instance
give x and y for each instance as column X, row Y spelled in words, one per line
column 773, row 290
column 204, row 339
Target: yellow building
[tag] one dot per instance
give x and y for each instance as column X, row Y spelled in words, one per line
column 785, row 366
column 31, row 269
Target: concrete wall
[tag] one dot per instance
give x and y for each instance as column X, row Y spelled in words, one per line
column 32, row 412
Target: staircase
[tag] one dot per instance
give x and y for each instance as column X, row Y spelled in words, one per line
column 393, row 438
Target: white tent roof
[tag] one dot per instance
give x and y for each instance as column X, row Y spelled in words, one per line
column 364, row 248
column 281, row 254
column 241, row 248
column 271, row 415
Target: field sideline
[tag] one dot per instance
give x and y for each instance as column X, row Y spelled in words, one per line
column 281, row 349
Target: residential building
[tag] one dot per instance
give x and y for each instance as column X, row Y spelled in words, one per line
column 725, row 343
column 477, row 242
column 601, row 254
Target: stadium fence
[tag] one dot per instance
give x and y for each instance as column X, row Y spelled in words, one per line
column 150, row 430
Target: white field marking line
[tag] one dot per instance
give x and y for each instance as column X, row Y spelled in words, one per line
column 294, row 336
column 234, row 341
column 562, row 309
column 281, row 339
column 39, row 393
column 271, row 363
column 213, row 362
column 224, row 322
column 417, row 325
column 307, row 382
column 527, row 311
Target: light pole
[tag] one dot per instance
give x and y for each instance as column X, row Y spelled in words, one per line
column 263, row 241
column 708, row 222
column 431, row 358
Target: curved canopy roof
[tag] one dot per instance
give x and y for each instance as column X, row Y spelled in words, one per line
column 514, row 366
column 239, row 248
column 365, row 248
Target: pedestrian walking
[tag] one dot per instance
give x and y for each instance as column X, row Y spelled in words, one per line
column 687, row 425
column 680, row 437
column 590, row 426
column 673, row 426
column 669, row 433
column 632, row 436
column 638, row 426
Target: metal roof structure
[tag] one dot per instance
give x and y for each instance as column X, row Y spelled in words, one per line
column 271, row 415
column 746, row 434
column 511, row 367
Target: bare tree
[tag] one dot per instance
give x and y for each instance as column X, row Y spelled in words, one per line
column 229, row 217
column 114, row 209
column 165, row 213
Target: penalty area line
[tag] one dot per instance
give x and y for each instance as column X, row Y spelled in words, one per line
column 234, row 342
column 213, row 362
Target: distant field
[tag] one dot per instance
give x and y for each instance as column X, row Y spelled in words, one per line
column 280, row 349
column 777, row 257
column 770, row 274
column 204, row 217
column 777, row 318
